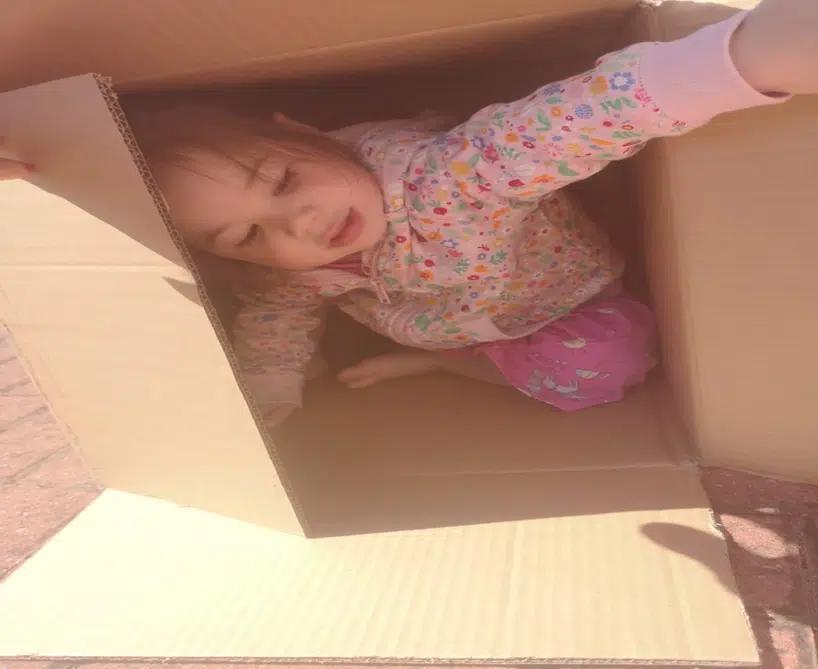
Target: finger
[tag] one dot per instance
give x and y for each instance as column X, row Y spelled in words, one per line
column 363, row 382
column 354, row 378
column 13, row 169
column 350, row 374
column 366, row 367
column 359, row 376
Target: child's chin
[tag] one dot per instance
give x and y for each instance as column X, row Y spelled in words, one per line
column 371, row 236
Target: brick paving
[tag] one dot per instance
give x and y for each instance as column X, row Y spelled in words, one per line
column 771, row 526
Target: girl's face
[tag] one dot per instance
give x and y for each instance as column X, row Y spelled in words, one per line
column 288, row 213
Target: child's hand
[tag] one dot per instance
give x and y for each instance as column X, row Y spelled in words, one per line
column 389, row 366
column 13, row 169
column 776, row 47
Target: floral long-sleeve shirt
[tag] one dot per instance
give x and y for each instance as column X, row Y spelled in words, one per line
column 481, row 243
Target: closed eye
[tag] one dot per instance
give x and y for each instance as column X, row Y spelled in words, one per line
column 252, row 235
column 286, row 181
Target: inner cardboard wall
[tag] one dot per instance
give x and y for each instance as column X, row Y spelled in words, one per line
column 351, row 453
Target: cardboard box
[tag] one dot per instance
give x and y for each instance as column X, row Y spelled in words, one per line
column 492, row 530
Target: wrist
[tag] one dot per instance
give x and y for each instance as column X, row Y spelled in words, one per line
column 432, row 360
column 695, row 78
column 747, row 54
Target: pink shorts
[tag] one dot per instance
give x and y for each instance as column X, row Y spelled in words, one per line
column 587, row 358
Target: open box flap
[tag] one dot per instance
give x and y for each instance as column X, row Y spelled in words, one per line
column 638, row 588
column 731, row 248
column 110, row 323
column 173, row 42
column 743, row 354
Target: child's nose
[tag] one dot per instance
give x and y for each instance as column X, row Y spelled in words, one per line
column 302, row 222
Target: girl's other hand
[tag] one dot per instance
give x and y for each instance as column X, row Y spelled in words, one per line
column 409, row 362
column 13, row 169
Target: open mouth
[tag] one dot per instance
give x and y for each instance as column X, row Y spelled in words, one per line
column 347, row 231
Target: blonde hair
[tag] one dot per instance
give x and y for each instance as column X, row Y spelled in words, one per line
column 169, row 131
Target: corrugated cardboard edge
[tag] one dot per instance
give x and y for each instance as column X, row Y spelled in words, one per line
column 719, row 527
column 396, row 662
column 109, row 96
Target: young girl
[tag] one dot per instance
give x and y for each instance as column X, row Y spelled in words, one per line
column 460, row 245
